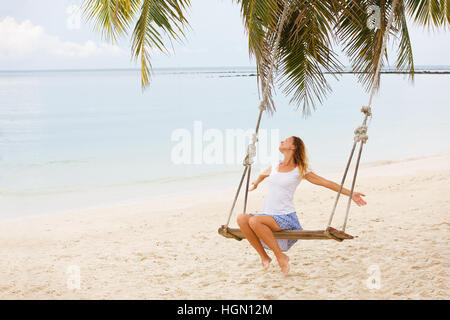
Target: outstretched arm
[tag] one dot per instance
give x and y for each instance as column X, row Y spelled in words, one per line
column 320, row 181
column 261, row 177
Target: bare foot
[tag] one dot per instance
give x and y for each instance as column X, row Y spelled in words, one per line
column 266, row 263
column 283, row 261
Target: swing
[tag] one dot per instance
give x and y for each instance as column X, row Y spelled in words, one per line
column 359, row 138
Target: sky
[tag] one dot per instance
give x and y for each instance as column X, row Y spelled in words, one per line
column 49, row 34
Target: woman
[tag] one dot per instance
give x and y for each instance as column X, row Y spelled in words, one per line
column 278, row 211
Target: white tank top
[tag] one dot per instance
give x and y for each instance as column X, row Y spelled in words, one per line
column 280, row 192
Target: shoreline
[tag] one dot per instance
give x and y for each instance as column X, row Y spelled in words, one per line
column 231, row 179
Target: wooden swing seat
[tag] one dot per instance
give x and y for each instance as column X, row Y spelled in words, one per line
column 329, row 233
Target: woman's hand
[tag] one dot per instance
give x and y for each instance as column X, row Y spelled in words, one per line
column 253, row 186
column 357, row 198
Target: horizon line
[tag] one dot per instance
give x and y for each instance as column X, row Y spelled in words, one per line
column 189, row 68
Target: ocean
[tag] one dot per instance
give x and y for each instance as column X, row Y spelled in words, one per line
column 80, row 138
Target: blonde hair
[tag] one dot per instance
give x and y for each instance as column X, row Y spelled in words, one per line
column 300, row 158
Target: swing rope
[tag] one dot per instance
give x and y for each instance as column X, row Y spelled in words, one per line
column 360, row 137
column 361, row 131
column 251, row 149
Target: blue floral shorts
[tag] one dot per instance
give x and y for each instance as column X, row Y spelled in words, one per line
column 286, row 222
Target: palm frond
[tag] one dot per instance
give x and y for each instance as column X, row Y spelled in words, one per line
column 405, row 61
column 260, row 17
column 306, row 45
column 429, row 12
column 361, row 44
column 445, row 8
column 306, row 52
column 158, row 19
column 112, row 18
column 158, row 22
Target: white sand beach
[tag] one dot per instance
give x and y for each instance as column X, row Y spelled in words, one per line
column 170, row 249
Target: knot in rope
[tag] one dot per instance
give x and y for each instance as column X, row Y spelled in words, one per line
column 367, row 111
column 254, row 138
column 361, row 134
column 262, row 106
column 251, row 151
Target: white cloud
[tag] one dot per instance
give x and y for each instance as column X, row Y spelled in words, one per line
column 21, row 40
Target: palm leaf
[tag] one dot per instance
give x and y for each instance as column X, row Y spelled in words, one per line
column 307, row 38
column 429, row 12
column 305, row 46
column 158, row 22
column 405, row 59
column 361, row 44
column 306, row 52
column 260, row 17
column 158, row 19
column 112, row 18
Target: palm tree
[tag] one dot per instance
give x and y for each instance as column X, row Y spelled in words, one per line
column 312, row 31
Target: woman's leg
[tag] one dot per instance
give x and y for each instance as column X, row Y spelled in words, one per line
column 263, row 227
column 243, row 222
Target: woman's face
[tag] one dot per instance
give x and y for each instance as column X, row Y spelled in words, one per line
column 287, row 144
